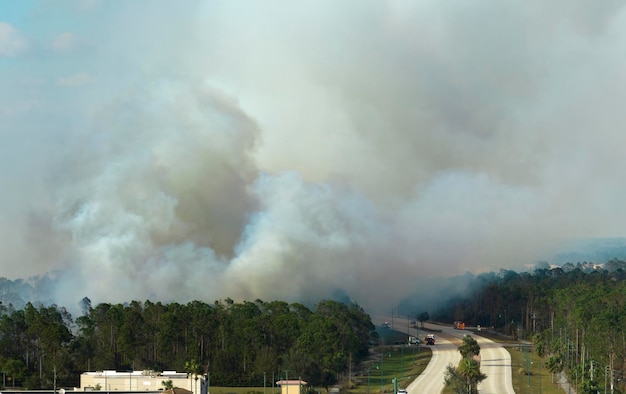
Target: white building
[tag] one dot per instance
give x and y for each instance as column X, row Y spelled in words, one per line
column 136, row 381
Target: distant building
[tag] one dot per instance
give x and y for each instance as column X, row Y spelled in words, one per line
column 291, row 386
column 137, row 381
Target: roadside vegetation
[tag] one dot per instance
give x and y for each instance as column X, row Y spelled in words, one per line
column 529, row 375
column 574, row 317
column 464, row 378
column 404, row 363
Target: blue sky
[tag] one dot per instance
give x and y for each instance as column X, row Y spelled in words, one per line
column 227, row 144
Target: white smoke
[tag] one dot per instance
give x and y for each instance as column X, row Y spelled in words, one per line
column 283, row 150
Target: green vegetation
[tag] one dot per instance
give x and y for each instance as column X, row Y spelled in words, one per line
column 242, row 343
column 523, row 359
column 464, row 378
column 404, row 363
column 573, row 316
column 529, row 375
column 247, row 390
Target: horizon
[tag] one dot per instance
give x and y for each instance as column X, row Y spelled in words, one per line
column 435, row 291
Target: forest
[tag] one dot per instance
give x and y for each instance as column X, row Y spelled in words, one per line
column 237, row 342
column 573, row 315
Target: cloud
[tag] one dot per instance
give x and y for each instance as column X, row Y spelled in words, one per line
column 12, row 43
column 88, row 4
column 65, row 42
column 74, row 80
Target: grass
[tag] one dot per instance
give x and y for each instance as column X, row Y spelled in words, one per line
column 406, row 364
column 539, row 380
column 244, row 390
column 403, row 363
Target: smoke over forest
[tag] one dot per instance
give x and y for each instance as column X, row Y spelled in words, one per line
column 291, row 151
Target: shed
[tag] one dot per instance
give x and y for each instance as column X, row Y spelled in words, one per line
column 291, row 386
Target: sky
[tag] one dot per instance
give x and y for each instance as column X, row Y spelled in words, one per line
column 292, row 149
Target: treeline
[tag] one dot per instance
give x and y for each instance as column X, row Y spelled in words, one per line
column 575, row 316
column 241, row 343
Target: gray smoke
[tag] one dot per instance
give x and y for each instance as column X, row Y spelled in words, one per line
column 287, row 150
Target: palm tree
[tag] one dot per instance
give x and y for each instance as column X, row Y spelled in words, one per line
column 470, row 370
column 194, row 369
column 454, row 381
column 469, row 348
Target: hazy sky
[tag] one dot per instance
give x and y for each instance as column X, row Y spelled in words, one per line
column 286, row 149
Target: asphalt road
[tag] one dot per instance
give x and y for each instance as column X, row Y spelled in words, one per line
column 495, row 360
column 432, row 379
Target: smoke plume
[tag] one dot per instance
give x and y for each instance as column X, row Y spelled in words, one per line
column 291, row 151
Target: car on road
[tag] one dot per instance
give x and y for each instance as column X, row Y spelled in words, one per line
column 413, row 340
column 402, row 391
column 430, row 339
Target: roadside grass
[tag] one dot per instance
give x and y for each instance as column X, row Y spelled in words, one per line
column 539, row 380
column 246, row 390
column 405, row 363
column 402, row 362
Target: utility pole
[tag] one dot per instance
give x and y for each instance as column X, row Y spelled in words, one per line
column 382, row 358
column 402, row 373
column 350, row 367
column 540, row 370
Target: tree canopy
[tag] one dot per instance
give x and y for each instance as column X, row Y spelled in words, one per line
column 465, row 377
column 469, row 347
column 239, row 342
column 571, row 314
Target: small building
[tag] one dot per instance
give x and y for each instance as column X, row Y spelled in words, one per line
column 291, row 386
column 133, row 381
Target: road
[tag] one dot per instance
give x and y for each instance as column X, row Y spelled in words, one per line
column 432, row 379
column 495, row 361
